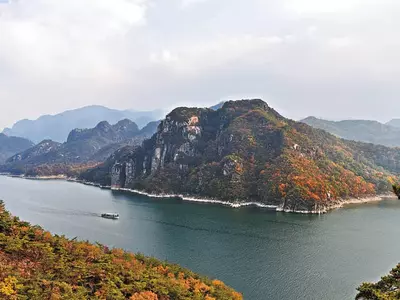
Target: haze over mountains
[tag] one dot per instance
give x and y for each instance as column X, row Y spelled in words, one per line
column 394, row 123
column 11, row 145
column 234, row 151
column 57, row 127
column 82, row 146
column 360, row 130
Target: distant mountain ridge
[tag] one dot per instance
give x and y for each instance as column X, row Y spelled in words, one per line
column 394, row 123
column 57, row 127
column 10, row 145
column 247, row 152
column 359, row 130
column 83, row 146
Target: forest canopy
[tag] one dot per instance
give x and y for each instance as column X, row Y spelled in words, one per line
column 35, row 264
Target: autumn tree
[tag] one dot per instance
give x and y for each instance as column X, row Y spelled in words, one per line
column 396, row 189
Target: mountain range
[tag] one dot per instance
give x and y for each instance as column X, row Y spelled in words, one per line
column 360, row 130
column 83, row 147
column 57, row 127
column 247, row 152
column 394, row 123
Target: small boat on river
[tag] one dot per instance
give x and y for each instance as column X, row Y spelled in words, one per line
column 110, row 216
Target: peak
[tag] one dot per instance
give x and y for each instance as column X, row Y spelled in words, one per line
column 182, row 114
column 312, row 120
column 246, row 103
column 124, row 122
column 47, row 142
column 126, row 125
column 217, row 106
column 103, row 124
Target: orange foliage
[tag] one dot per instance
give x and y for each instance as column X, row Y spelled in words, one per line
column 144, row 296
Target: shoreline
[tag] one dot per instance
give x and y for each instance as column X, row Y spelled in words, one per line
column 339, row 203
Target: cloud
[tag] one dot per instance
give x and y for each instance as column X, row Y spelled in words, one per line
column 323, row 6
column 186, row 3
column 301, row 55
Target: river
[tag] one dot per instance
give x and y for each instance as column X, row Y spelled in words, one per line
column 261, row 253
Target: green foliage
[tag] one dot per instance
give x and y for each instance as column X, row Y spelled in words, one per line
column 246, row 151
column 36, row 265
column 387, row 288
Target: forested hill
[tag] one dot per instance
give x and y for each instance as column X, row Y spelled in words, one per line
column 36, row 265
column 246, row 151
column 387, row 288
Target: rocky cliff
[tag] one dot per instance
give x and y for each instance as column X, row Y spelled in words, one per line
column 246, row 151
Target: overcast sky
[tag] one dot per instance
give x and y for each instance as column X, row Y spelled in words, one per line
column 329, row 58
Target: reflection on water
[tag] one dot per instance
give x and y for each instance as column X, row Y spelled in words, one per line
column 264, row 254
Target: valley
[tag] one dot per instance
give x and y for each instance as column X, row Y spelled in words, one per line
column 259, row 252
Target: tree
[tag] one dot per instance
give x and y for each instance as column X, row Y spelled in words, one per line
column 396, row 189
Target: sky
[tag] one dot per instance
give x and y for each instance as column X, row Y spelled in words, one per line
column 332, row 59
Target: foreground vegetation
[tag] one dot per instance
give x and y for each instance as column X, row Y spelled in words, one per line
column 37, row 265
column 396, row 190
column 386, row 289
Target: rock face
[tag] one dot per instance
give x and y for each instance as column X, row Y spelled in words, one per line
column 10, row 145
column 245, row 151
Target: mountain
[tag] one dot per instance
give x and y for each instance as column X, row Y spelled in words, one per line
column 148, row 130
column 83, row 147
column 248, row 152
column 394, row 123
column 57, row 127
column 217, row 106
column 9, row 145
column 359, row 130
column 38, row 265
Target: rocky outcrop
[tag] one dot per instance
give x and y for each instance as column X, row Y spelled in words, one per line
column 57, row 127
column 246, row 152
column 83, row 146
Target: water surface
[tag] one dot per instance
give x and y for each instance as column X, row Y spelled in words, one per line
column 261, row 253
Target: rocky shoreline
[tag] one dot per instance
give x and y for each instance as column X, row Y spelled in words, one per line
column 336, row 205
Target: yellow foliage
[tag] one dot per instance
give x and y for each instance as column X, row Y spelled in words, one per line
column 217, row 282
column 9, row 286
column 144, row 296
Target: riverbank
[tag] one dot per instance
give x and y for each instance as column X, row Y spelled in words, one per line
column 340, row 203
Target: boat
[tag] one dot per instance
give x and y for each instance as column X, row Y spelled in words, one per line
column 110, row 216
